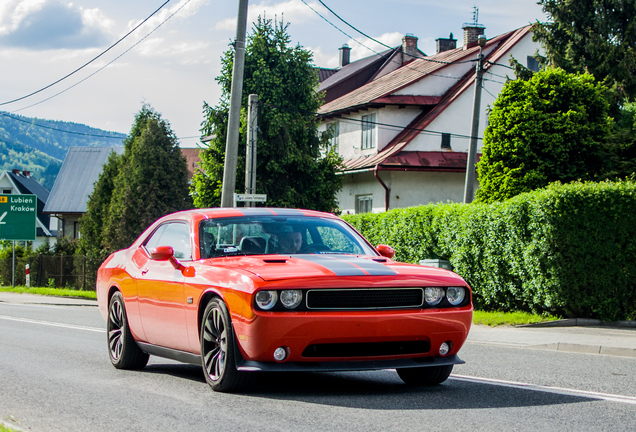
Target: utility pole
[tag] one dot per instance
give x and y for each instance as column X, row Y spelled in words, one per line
column 250, row 152
column 234, row 116
column 469, row 187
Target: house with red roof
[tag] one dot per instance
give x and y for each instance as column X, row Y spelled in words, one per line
column 401, row 120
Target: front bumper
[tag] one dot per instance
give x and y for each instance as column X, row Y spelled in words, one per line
column 259, row 338
column 246, row 365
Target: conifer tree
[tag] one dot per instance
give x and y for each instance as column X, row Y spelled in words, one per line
column 295, row 166
column 152, row 180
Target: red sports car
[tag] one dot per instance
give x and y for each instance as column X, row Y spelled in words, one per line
column 239, row 290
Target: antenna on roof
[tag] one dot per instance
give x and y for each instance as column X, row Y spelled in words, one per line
column 475, row 15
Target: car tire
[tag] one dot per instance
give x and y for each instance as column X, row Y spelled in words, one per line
column 123, row 350
column 425, row 376
column 218, row 350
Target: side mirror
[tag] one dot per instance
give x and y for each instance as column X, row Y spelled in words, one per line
column 162, row 253
column 385, row 251
column 166, row 253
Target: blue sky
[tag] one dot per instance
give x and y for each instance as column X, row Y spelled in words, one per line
column 171, row 63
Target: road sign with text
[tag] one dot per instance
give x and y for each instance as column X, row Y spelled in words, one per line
column 18, row 215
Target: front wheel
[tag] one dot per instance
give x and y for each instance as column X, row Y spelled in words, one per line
column 217, row 349
column 122, row 348
column 425, row 376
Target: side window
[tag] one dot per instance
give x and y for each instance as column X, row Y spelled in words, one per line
column 177, row 235
column 364, row 203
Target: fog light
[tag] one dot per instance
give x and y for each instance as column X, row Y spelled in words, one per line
column 280, row 354
column 444, row 348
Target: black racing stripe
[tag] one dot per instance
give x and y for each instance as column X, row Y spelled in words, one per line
column 372, row 267
column 349, row 266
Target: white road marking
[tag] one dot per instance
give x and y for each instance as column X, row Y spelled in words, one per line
column 547, row 389
column 53, row 324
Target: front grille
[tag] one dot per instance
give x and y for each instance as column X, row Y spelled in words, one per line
column 367, row 349
column 378, row 298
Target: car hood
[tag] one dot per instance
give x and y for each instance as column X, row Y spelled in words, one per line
column 277, row 267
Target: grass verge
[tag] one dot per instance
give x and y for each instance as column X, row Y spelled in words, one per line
column 509, row 318
column 57, row 292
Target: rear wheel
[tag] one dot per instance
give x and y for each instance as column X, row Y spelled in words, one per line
column 425, row 376
column 122, row 348
column 217, row 350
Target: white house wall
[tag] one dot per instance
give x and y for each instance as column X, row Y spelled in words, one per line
column 457, row 117
column 350, row 128
column 407, row 189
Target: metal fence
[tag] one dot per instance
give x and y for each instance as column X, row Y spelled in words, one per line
column 56, row 271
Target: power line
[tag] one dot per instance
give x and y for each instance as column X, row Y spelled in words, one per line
column 107, row 64
column 352, row 120
column 380, row 43
column 90, row 61
column 32, row 123
column 375, row 52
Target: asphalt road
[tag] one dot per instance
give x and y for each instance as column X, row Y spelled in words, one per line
column 55, row 376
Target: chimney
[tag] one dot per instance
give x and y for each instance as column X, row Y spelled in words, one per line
column 472, row 31
column 409, row 48
column 446, row 44
column 27, row 174
column 16, row 171
column 345, row 55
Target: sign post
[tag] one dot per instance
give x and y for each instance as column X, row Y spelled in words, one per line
column 18, row 215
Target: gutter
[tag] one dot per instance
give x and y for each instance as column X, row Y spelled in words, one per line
column 387, row 190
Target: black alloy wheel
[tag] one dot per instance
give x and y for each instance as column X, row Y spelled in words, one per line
column 123, row 350
column 425, row 376
column 217, row 350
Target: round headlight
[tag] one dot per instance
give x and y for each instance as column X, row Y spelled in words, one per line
column 433, row 295
column 455, row 295
column 291, row 298
column 266, row 299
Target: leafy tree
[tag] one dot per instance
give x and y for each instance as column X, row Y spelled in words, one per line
column 295, row 168
column 152, row 181
column 91, row 241
column 595, row 36
column 549, row 128
column 619, row 159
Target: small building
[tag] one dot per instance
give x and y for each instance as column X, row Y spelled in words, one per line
column 22, row 183
column 402, row 120
column 74, row 184
column 76, row 180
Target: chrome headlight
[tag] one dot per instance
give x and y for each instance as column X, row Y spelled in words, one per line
column 433, row 295
column 266, row 299
column 291, row 298
column 455, row 295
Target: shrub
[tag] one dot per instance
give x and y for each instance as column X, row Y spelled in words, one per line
column 566, row 250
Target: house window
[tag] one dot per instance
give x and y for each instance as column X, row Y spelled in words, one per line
column 533, row 64
column 364, row 204
column 446, row 141
column 334, row 128
column 6, row 191
column 368, row 131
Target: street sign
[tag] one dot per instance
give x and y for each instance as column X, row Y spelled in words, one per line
column 18, row 217
column 249, row 198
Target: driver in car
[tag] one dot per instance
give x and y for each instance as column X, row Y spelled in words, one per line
column 290, row 242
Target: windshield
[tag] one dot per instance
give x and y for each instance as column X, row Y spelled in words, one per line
column 259, row 235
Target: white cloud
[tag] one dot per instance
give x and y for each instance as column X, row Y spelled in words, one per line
column 51, row 24
column 291, row 11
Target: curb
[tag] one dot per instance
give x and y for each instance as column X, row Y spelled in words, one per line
column 581, row 322
column 586, row 349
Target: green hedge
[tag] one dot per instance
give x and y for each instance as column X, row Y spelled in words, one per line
column 568, row 250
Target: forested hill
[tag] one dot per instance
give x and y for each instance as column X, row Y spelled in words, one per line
column 40, row 145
